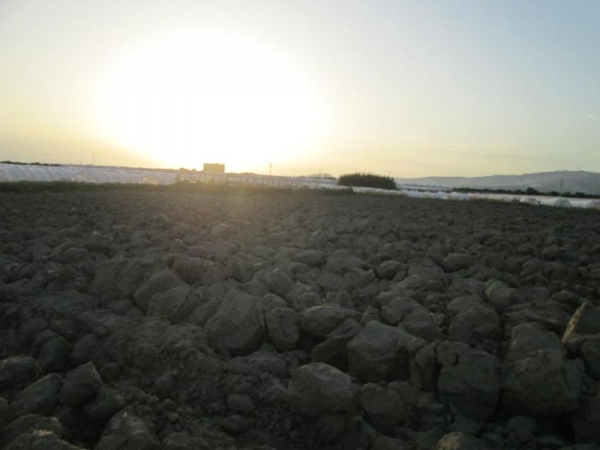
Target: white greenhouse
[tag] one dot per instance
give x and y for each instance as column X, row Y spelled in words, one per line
column 87, row 174
column 94, row 174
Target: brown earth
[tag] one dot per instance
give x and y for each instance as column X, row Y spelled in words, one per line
column 284, row 319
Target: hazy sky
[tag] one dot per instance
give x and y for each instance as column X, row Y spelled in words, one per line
column 409, row 89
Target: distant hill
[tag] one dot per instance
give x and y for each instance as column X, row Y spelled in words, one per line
column 573, row 181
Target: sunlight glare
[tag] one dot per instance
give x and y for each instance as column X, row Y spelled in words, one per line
column 209, row 98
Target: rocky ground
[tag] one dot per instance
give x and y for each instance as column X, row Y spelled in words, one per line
column 285, row 320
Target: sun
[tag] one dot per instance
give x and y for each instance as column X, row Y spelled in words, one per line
column 212, row 97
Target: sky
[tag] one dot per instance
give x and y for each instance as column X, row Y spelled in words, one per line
column 401, row 88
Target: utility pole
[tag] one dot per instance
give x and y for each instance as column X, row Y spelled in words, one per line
column 93, row 158
column 271, row 169
column 561, row 186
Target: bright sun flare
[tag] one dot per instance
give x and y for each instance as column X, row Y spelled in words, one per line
column 209, row 98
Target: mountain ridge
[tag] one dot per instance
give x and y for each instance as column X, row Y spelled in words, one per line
column 572, row 181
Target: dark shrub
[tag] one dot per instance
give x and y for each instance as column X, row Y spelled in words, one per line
column 367, row 180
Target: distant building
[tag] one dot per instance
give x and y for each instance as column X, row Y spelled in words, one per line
column 214, row 168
